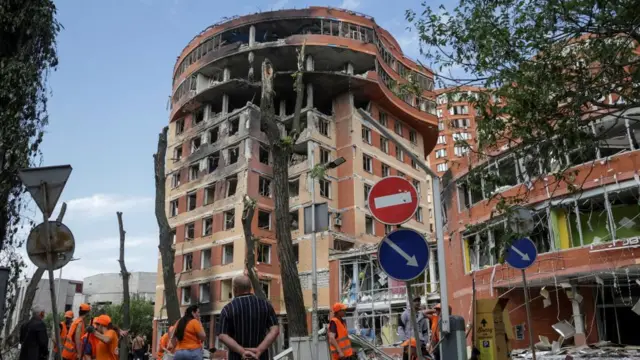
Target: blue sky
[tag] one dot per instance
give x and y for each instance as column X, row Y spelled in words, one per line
column 108, row 103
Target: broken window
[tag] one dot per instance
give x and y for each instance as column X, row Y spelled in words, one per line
column 384, row 144
column 264, row 220
column 325, row 188
column 398, row 128
column 342, row 245
column 294, row 220
column 232, row 184
column 186, row 295
column 385, row 170
column 173, row 206
column 264, row 253
column 366, row 135
column 367, row 190
column 264, row 186
column 205, row 262
column 198, row 116
column 179, row 126
column 207, row 226
column 323, row 127
column 399, row 154
column 213, row 135
column 205, row 293
column 213, row 161
column 541, row 236
column 382, row 118
column 187, row 265
column 464, row 197
column 227, row 254
column 190, row 231
column 414, row 164
column 194, row 171
column 507, row 171
column 234, row 153
column 367, row 163
column 210, row 194
column 191, row 201
column 369, row 225
column 229, row 219
column 413, row 137
column 264, row 154
column 195, row 144
column 175, row 179
column 177, row 153
column 294, row 187
column 416, row 184
column 418, row 215
column 325, row 156
column 266, row 286
column 234, row 126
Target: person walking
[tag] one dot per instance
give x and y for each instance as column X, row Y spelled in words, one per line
column 405, row 328
column 189, row 336
column 248, row 324
column 72, row 345
column 138, row 347
column 34, row 341
column 339, row 342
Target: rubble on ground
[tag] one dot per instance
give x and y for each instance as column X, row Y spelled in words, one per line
column 599, row 351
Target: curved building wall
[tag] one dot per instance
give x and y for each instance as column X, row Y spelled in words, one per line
column 107, row 288
column 587, row 240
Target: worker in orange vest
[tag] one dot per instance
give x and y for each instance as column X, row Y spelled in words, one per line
column 339, row 342
column 411, row 343
column 89, row 344
column 64, row 328
column 72, row 346
column 164, row 343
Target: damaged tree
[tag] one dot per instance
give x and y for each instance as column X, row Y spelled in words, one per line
column 281, row 149
column 167, row 253
column 126, row 297
column 250, row 259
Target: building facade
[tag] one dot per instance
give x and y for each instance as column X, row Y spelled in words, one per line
column 217, row 153
column 103, row 289
column 586, row 272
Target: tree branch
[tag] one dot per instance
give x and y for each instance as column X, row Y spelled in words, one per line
column 126, row 297
column 250, row 259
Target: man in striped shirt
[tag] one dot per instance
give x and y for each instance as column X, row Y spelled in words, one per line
column 248, row 324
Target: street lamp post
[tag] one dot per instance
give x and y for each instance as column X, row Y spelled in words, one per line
column 314, row 261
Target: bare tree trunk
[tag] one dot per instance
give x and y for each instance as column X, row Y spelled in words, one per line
column 280, row 151
column 166, row 250
column 250, row 258
column 126, row 297
column 29, row 296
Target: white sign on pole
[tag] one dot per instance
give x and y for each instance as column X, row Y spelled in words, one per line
column 54, row 176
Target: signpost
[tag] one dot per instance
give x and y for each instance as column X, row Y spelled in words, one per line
column 404, row 255
column 521, row 254
column 45, row 184
column 393, row 200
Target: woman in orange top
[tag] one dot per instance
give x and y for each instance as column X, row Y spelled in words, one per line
column 107, row 348
column 164, row 343
column 189, row 335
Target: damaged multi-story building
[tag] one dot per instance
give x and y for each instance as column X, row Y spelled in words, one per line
column 217, row 154
column 584, row 282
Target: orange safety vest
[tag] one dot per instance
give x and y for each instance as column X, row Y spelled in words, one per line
column 63, row 334
column 93, row 342
column 69, row 348
column 342, row 337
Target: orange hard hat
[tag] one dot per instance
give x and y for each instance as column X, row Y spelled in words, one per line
column 103, row 320
column 339, row 307
column 412, row 341
column 85, row 307
column 69, row 314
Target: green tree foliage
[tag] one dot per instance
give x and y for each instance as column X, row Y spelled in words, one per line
column 141, row 315
column 28, row 30
column 552, row 63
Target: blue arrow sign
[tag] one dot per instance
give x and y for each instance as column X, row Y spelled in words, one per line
column 521, row 254
column 403, row 254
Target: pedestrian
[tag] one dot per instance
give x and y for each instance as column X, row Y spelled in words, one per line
column 64, row 329
column 138, row 347
column 405, row 328
column 189, row 336
column 434, row 316
column 34, row 341
column 163, row 348
column 339, row 342
column 72, row 348
column 248, row 324
column 107, row 334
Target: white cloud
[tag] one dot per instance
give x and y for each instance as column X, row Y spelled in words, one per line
column 114, row 243
column 350, row 4
column 99, row 205
column 278, row 5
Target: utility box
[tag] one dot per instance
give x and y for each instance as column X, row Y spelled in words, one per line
column 492, row 329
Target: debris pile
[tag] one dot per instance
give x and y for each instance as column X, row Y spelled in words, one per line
column 601, row 351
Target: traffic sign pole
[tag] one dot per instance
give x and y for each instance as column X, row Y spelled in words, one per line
column 528, row 307
column 54, row 303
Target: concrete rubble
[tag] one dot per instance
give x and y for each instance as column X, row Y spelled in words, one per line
column 600, row 351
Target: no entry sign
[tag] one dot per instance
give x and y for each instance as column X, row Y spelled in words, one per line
column 393, row 200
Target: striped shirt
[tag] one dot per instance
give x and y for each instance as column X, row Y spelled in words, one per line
column 247, row 319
